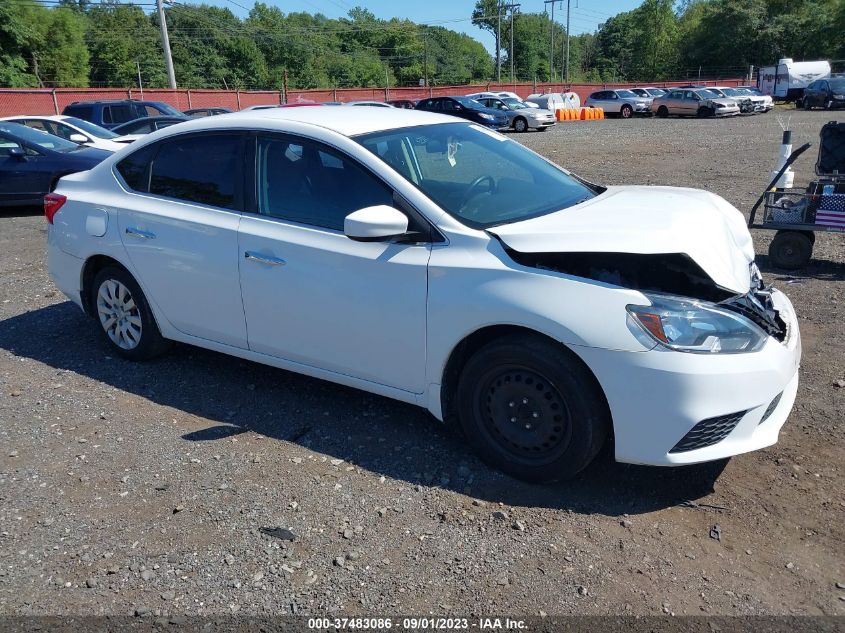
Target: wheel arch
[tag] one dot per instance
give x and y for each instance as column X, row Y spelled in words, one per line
column 474, row 341
column 92, row 266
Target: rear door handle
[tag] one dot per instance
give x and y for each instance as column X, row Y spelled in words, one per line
column 147, row 235
column 264, row 259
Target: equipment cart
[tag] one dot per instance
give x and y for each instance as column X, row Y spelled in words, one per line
column 798, row 214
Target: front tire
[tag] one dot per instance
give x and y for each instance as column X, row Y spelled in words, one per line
column 126, row 321
column 532, row 409
column 626, row 112
column 520, row 124
column 662, row 112
column 704, row 112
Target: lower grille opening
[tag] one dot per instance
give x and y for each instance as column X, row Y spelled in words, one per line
column 708, row 432
column 771, row 408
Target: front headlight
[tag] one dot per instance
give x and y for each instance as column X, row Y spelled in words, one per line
column 486, row 117
column 687, row 325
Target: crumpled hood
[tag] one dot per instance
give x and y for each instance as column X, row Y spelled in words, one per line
column 646, row 220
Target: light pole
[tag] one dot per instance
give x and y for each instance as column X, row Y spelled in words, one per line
column 165, row 43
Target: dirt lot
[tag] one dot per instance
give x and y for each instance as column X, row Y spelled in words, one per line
column 141, row 489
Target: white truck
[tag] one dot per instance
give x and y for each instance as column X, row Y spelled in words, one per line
column 786, row 80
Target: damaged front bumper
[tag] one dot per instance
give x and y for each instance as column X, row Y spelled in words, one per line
column 672, row 408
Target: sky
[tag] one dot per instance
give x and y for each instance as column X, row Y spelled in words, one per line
column 585, row 16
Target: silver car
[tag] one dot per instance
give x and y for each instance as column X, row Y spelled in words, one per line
column 699, row 102
column 649, row 92
column 622, row 102
column 522, row 117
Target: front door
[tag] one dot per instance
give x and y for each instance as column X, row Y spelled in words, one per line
column 182, row 240
column 312, row 295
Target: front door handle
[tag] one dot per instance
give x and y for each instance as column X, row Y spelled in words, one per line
column 264, row 259
column 139, row 233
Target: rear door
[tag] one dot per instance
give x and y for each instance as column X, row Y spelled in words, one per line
column 23, row 178
column 180, row 230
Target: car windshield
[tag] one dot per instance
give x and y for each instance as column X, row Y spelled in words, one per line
column 91, row 128
column 627, row 94
column 709, row 94
column 656, row 92
column 480, row 177
column 472, row 104
column 515, row 104
column 731, row 92
column 166, row 108
column 37, row 137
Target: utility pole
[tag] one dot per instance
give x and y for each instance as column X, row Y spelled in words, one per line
column 513, row 7
column 499, row 44
column 551, row 40
column 165, row 42
column 140, row 85
column 567, row 40
column 425, row 57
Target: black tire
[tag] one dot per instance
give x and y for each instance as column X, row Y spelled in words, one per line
column 662, row 112
column 704, row 112
column 520, row 124
column 790, row 250
column 560, row 417
column 626, row 112
column 806, row 103
column 149, row 342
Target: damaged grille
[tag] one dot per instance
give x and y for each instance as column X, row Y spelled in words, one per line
column 757, row 307
column 708, row 432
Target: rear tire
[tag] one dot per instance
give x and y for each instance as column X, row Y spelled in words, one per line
column 532, row 409
column 124, row 316
column 790, row 250
column 662, row 112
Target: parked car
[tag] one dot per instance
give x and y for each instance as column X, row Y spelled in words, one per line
column 521, row 117
column 110, row 114
column 408, row 104
column 768, row 102
column 699, row 102
column 622, row 102
column 198, row 112
column 466, row 108
column 649, row 92
column 825, row 93
column 269, row 106
column 71, row 129
column 133, row 130
column 748, row 104
column 376, row 104
column 423, row 258
column 32, row 161
column 501, row 95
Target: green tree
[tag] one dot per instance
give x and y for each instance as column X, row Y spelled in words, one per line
column 61, row 53
column 19, row 38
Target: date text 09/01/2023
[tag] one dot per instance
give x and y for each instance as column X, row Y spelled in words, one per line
column 416, row 624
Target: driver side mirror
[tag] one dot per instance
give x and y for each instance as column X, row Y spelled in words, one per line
column 375, row 224
column 17, row 153
column 78, row 138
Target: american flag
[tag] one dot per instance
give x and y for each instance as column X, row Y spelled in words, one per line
column 831, row 211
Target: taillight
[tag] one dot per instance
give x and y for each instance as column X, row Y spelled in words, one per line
column 52, row 203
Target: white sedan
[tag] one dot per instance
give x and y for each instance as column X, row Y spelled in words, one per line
column 71, row 129
column 442, row 264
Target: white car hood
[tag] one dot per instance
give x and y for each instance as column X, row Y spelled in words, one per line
column 646, row 220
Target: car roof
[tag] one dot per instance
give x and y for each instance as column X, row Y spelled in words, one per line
column 345, row 121
column 111, row 102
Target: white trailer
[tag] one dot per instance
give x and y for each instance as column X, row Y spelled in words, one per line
column 786, row 81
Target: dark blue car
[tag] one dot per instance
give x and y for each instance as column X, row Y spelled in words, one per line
column 466, row 108
column 31, row 163
column 109, row 114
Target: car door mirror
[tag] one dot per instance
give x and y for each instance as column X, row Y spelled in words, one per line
column 18, row 153
column 78, row 138
column 375, row 224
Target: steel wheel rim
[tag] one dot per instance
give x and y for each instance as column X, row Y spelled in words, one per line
column 523, row 413
column 119, row 315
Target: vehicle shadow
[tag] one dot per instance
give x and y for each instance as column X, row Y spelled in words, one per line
column 377, row 434
column 20, row 212
column 822, row 269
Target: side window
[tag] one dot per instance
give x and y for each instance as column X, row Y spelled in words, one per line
column 7, row 145
column 448, row 105
column 135, row 168
column 118, row 114
column 80, row 112
column 304, row 182
column 62, row 130
column 201, row 169
column 36, row 124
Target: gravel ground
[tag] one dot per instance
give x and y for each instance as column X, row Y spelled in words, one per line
column 142, row 489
